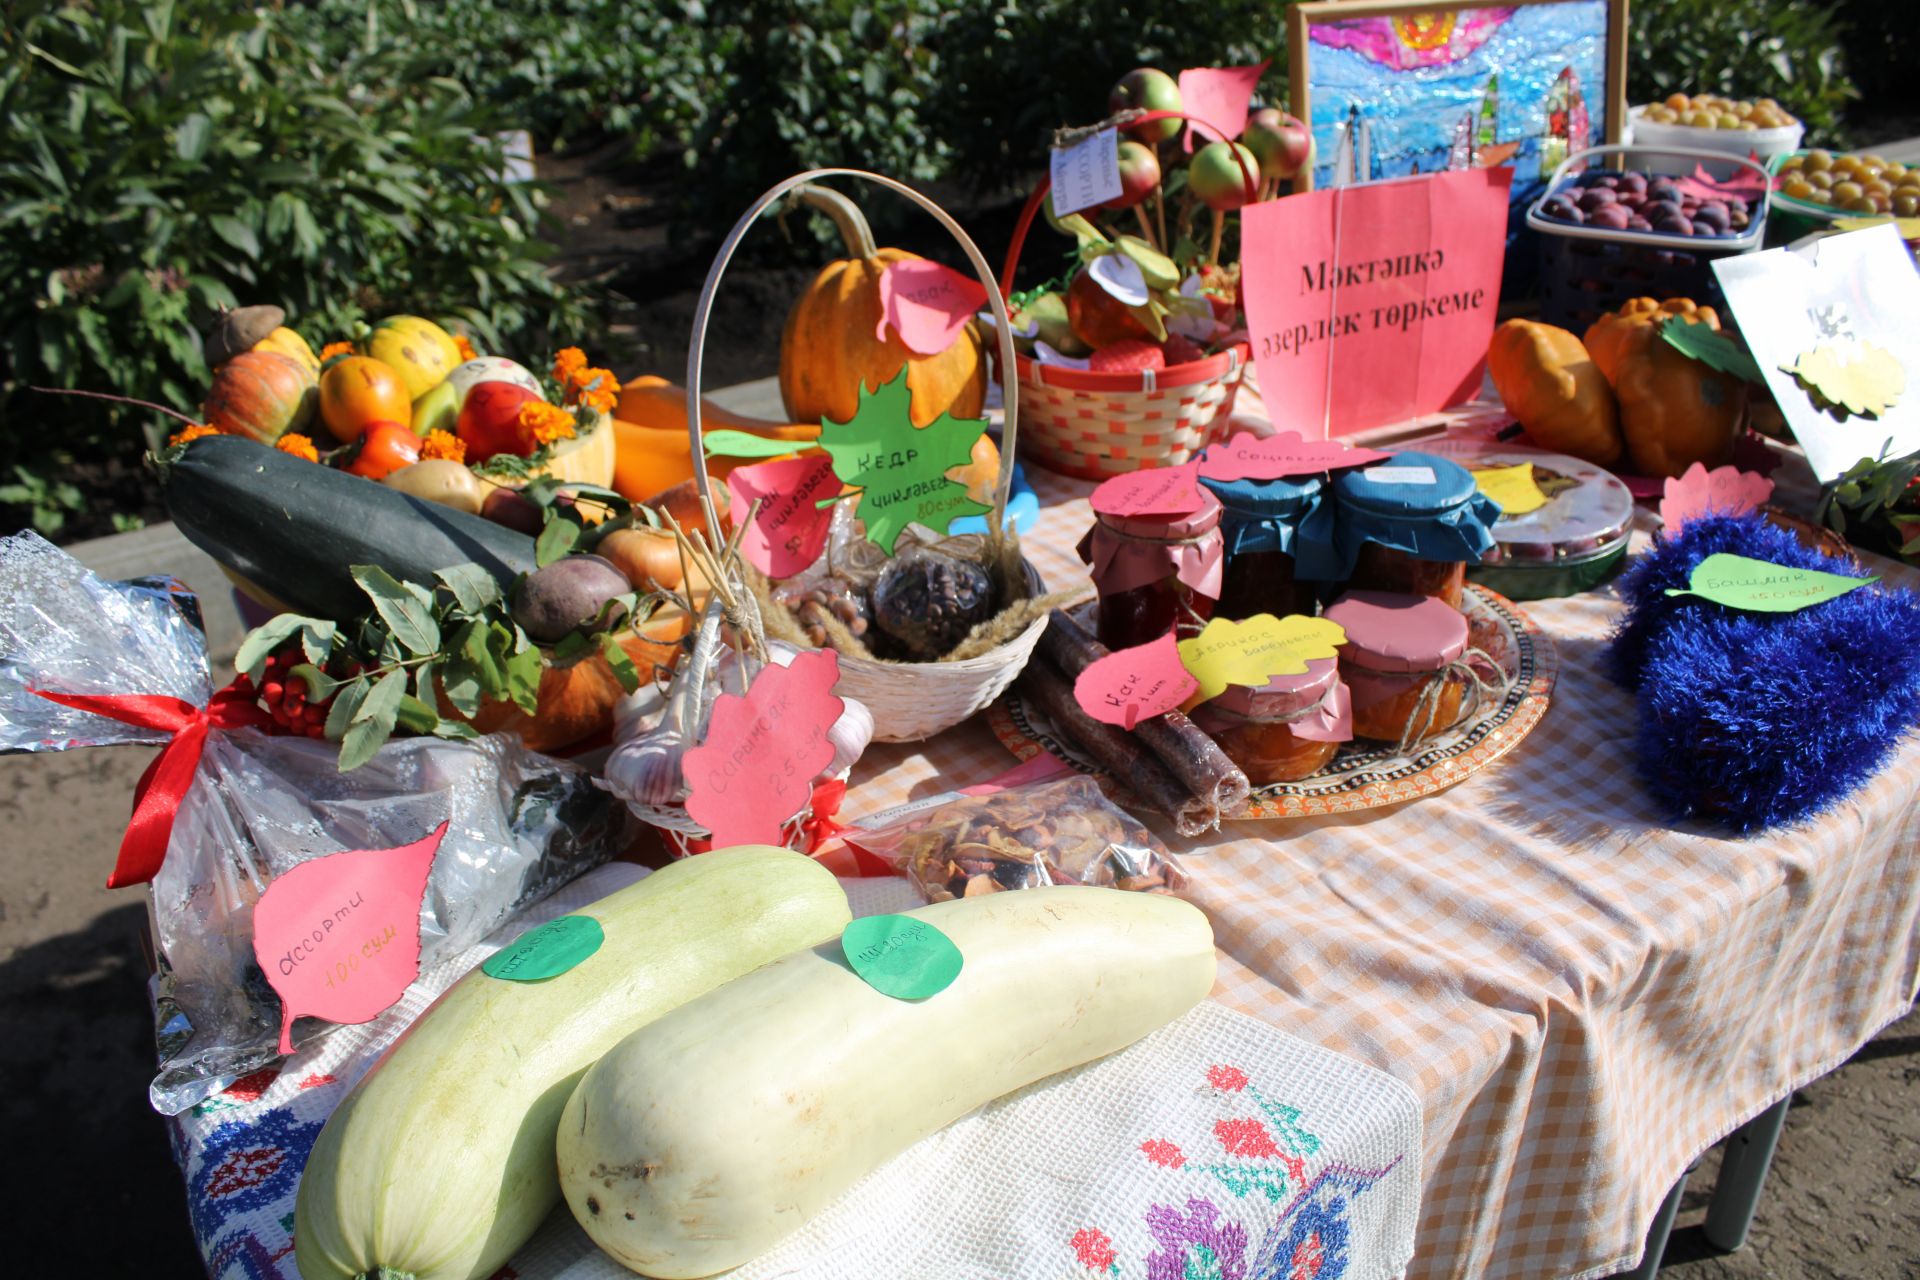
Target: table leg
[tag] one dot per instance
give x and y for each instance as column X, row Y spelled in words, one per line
column 1657, row 1235
column 1743, row 1169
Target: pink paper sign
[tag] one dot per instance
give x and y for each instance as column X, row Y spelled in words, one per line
column 1373, row 304
column 1701, row 185
column 756, row 768
column 1161, row 491
column 1219, row 96
column 339, row 937
column 1131, row 685
column 1722, row 491
column 1248, row 457
column 927, row 304
column 789, row 531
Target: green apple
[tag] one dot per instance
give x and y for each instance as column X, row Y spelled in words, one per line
column 1217, row 178
column 1149, row 89
column 437, row 409
column 1048, row 313
column 1282, row 142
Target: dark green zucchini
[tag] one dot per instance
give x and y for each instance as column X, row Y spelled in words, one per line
column 295, row 529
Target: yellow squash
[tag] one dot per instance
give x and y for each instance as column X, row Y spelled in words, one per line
column 1555, row 390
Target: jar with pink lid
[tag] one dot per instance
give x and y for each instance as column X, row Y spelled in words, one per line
column 1155, row 571
column 1286, row 730
column 1407, row 666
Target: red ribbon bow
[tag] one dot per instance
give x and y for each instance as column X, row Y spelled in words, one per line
column 164, row 785
column 821, row 825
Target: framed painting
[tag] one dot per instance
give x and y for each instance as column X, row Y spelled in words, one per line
column 1391, row 88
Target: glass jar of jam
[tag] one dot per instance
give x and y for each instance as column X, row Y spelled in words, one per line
column 1155, row 573
column 1401, row 664
column 1258, row 521
column 1412, row 524
column 1285, row 731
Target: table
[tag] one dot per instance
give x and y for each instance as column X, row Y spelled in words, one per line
column 1584, row 996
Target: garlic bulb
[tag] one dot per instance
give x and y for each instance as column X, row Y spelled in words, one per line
column 638, row 712
column 850, row 735
column 646, row 770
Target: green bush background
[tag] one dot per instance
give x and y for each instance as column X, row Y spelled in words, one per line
column 159, row 160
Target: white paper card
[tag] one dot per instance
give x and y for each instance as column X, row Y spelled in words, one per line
column 1789, row 301
column 1086, row 173
column 1399, row 475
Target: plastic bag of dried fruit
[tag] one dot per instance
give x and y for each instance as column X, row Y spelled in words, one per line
column 1060, row 831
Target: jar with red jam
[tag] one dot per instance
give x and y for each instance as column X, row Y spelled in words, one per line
column 1403, row 665
column 1287, row 730
column 1155, row 572
column 1412, row 524
column 1259, row 520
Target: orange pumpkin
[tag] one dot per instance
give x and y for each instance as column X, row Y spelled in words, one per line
column 831, row 345
column 358, row 391
column 652, row 451
column 261, row 394
column 576, row 701
column 1608, row 338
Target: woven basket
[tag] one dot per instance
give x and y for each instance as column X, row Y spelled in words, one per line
column 1095, row 425
column 909, row 701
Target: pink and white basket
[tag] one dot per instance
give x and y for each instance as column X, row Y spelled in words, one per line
column 1095, row 425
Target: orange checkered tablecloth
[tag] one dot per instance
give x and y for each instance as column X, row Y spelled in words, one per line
column 1584, row 996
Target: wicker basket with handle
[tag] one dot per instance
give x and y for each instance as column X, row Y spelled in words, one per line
column 1098, row 424
column 909, row 701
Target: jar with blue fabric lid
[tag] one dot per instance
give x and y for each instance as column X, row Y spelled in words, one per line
column 1412, row 524
column 1260, row 523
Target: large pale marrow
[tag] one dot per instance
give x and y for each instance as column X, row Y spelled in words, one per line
column 440, row 1163
column 708, row 1135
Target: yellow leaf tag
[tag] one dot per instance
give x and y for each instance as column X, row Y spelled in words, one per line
column 1850, row 375
column 1251, row 652
column 1514, row 488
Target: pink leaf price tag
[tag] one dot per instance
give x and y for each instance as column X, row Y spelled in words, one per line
column 756, row 768
column 1163, row 491
column 1248, row 457
column 1218, row 96
column 339, row 937
column 927, row 304
column 789, row 531
column 1131, row 685
column 1726, row 491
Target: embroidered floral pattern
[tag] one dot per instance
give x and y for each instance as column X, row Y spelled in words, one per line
column 1231, row 1079
column 1093, row 1249
column 249, row 1088
column 1195, row 1245
column 1246, row 1138
column 1163, row 1153
column 246, row 1166
column 314, row 1082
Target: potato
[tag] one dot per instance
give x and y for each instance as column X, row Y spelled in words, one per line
column 439, row 480
column 566, row 596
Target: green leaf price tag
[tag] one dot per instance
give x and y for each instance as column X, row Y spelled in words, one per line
column 547, row 951
column 900, row 469
column 1740, row 582
column 744, row 444
column 901, row 956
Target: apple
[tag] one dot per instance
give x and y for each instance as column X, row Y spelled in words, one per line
column 1218, row 178
column 514, row 510
column 1149, row 89
column 437, row 409
column 1139, row 175
column 490, row 419
column 1283, row 143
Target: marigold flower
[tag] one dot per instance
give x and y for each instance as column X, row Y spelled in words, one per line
column 542, row 423
column 568, row 362
column 464, row 347
column 596, row 389
column 192, row 431
column 297, row 445
column 443, row 444
column 333, row 349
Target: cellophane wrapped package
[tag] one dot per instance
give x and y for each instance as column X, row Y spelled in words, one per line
column 520, row 824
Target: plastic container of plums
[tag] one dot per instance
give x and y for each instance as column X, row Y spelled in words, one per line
column 1610, row 230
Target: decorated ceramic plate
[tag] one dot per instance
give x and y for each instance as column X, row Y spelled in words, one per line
column 1366, row 775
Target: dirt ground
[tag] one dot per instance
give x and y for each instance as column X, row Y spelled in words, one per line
column 91, row 1186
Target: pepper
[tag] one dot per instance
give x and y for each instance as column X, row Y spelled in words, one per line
column 1674, row 410
column 1555, row 389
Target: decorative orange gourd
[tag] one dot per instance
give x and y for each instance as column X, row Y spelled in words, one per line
column 1552, row 386
column 1674, row 410
column 261, row 394
column 1606, row 337
column 832, row 346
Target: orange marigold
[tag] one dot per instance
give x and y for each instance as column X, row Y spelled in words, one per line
column 192, row 431
column 464, row 347
column 568, row 362
column 443, row 444
column 596, row 389
column 297, row 445
column 542, row 423
column 333, row 349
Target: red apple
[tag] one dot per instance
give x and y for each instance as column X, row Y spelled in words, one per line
column 1148, row 89
column 1284, row 145
column 1219, row 179
column 1139, row 175
column 490, row 419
